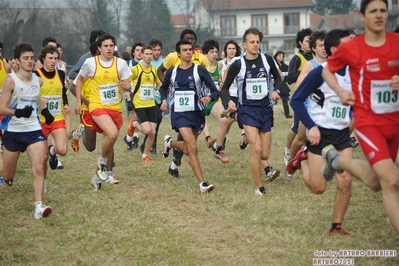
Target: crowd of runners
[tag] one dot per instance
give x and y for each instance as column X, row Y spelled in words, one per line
column 344, row 86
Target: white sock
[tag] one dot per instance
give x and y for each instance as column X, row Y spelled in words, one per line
column 136, row 134
column 287, row 151
column 38, row 204
column 129, row 138
column 102, row 160
column 144, row 155
column 173, row 166
column 52, row 152
column 96, row 179
column 109, row 173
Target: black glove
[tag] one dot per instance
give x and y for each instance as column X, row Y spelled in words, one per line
column 130, row 106
column 49, row 117
column 25, row 112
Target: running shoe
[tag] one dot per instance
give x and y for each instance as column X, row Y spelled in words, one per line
column 222, row 157
column 102, row 170
column 328, row 173
column 272, row 174
column 166, row 141
column 135, row 144
column 42, row 212
column 354, row 142
column 5, row 182
column 209, row 142
column 147, row 159
column 329, row 153
column 174, row 172
column 129, row 144
column 53, row 159
column 260, row 191
column 243, row 143
column 96, row 186
column 295, row 163
column 153, row 149
column 339, row 231
column 205, row 187
column 75, row 145
column 111, row 180
column 60, row 166
column 177, row 155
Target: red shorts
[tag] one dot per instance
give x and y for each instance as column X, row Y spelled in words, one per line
column 86, row 119
column 46, row 128
column 116, row 117
column 379, row 143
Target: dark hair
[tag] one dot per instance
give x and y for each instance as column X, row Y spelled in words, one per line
column 47, row 40
column 209, row 44
column 365, row 3
column 155, row 42
column 333, row 39
column 1, row 45
column 187, row 31
column 351, row 31
column 95, row 34
column 277, row 54
column 125, row 56
column 254, row 31
column 301, row 35
column 145, row 46
column 93, row 48
column 316, row 35
column 22, row 48
column 135, row 45
column 179, row 43
column 104, row 37
column 59, row 45
column 238, row 48
column 48, row 49
column 396, row 29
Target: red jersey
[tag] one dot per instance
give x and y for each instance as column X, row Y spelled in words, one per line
column 371, row 70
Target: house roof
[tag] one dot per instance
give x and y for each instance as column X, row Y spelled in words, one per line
column 181, row 19
column 341, row 21
column 212, row 5
column 315, row 20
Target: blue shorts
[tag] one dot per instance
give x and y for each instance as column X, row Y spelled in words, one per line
column 259, row 117
column 19, row 141
column 194, row 120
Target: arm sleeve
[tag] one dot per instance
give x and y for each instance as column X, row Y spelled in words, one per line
column 293, row 72
column 165, row 84
column 339, row 59
column 75, row 70
column 64, row 89
column 311, row 83
column 233, row 71
column 205, row 77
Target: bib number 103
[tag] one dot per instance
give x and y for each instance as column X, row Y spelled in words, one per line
column 387, row 96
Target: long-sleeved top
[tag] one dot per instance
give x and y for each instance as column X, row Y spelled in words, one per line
column 295, row 66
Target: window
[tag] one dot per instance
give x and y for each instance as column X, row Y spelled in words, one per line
column 291, row 23
column 264, row 46
column 289, row 44
column 228, row 26
column 260, row 22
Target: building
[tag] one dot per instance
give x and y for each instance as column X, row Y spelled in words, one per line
column 279, row 20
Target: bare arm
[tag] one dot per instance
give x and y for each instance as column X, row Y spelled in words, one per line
column 307, row 67
column 160, row 72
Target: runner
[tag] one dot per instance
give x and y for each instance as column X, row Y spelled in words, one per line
column 188, row 98
column 110, row 75
column 253, row 75
column 22, row 130
column 373, row 65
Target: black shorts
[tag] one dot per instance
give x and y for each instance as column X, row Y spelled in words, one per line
column 148, row 114
column 339, row 138
column 19, row 141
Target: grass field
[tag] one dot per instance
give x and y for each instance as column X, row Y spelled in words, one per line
column 151, row 218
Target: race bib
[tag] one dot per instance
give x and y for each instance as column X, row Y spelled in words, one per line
column 383, row 98
column 184, row 101
column 54, row 104
column 337, row 114
column 109, row 94
column 146, row 92
column 256, row 88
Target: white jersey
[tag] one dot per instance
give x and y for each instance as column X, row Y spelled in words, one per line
column 233, row 90
column 325, row 108
column 24, row 94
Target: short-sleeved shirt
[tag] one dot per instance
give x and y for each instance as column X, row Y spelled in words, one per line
column 172, row 60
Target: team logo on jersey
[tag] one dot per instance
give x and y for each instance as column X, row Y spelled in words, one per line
column 175, row 84
column 262, row 75
column 249, row 74
column 191, row 84
column 393, row 63
column 253, row 66
column 262, row 69
column 373, row 65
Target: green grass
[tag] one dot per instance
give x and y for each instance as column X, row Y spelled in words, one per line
column 152, row 219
